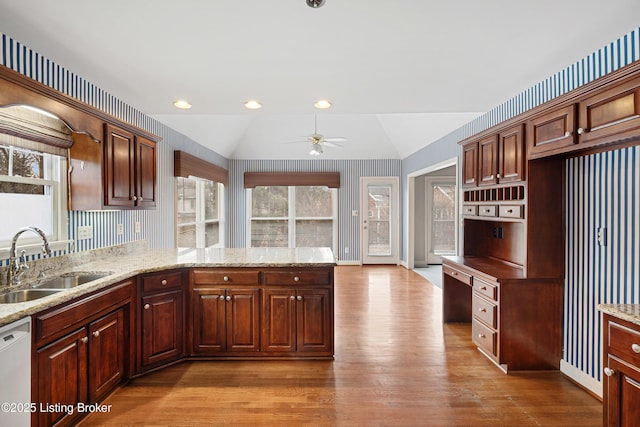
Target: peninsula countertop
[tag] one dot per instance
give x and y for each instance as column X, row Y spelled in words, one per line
column 123, row 264
column 628, row 312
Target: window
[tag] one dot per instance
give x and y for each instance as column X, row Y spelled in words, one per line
column 199, row 213
column 34, row 185
column 287, row 216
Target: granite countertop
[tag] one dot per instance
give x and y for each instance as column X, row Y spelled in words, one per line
column 628, row 312
column 129, row 260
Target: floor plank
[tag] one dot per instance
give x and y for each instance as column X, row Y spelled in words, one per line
column 395, row 365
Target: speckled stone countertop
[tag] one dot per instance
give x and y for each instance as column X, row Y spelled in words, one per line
column 129, row 260
column 628, row 312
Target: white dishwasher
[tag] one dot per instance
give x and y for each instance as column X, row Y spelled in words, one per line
column 15, row 373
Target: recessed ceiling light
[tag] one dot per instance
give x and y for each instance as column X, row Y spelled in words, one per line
column 322, row 104
column 252, row 105
column 182, row 104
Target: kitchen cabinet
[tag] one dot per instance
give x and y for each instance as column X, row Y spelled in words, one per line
column 555, row 130
column 161, row 305
column 82, row 353
column 621, row 380
column 488, row 160
column 225, row 311
column 129, row 169
column 470, row 164
column 511, row 155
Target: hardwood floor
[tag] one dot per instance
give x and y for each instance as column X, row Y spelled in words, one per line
column 395, row 365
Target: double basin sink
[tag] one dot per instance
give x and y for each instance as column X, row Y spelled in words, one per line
column 50, row 286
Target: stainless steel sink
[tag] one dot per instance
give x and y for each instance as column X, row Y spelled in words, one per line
column 69, row 280
column 24, row 295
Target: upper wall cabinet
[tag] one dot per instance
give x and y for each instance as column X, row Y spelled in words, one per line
column 606, row 116
column 495, row 159
column 129, row 169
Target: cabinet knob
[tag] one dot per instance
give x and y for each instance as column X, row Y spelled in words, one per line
column 293, row 297
column 225, row 278
column 140, row 198
column 299, row 298
column 228, row 298
column 609, row 372
column 222, row 297
column 134, row 198
column 482, row 310
column 635, row 348
column 164, row 282
column 481, row 336
column 147, row 306
column 567, row 134
column 483, row 288
column 296, row 279
column 509, row 210
column 96, row 333
column 498, row 176
column 582, row 131
column 84, row 340
column 454, row 273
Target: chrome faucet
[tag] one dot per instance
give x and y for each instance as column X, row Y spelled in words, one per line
column 18, row 264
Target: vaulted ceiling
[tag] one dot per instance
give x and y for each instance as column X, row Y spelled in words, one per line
column 400, row 74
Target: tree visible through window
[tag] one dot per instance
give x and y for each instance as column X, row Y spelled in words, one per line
column 199, row 213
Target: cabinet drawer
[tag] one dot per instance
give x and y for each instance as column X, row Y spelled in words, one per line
column 470, row 210
column 226, row 277
column 484, row 337
column 511, row 211
column 485, row 311
column 162, row 281
column 487, row 289
column 487, row 210
column 624, row 342
column 457, row 274
column 317, row 277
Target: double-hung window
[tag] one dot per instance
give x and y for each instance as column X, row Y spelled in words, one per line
column 200, row 213
column 292, row 216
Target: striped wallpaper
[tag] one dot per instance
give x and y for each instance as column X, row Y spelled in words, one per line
column 348, row 194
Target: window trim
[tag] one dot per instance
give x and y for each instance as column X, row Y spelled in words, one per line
column 200, row 208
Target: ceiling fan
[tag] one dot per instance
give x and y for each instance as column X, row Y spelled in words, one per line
column 318, row 140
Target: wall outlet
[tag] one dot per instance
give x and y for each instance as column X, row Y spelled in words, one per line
column 602, row 236
column 85, row 232
column 354, row 213
column 120, row 229
column 136, row 227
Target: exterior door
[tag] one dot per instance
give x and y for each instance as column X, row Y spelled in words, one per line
column 379, row 221
column 441, row 219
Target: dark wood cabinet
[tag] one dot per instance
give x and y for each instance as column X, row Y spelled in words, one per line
column 470, row 165
column 129, row 169
column 488, row 160
column 82, row 353
column 621, row 379
column 511, row 155
column 161, row 337
column 552, row 131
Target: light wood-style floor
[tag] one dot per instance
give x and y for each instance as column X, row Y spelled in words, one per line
column 395, row 365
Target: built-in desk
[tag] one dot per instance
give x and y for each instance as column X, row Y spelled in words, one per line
column 515, row 321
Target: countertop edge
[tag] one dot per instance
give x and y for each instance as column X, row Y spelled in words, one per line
column 628, row 312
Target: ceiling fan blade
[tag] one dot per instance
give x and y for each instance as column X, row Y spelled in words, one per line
column 336, row 139
column 332, row 144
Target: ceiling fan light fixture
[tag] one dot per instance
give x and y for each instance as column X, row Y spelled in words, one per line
column 315, row 3
column 322, row 104
column 252, row 104
column 182, row 104
column 316, row 150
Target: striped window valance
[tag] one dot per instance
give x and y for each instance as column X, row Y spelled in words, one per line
column 34, row 129
column 186, row 165
column 327, row 179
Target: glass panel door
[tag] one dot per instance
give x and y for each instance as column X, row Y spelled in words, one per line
column 379, row 200
column 441, row 227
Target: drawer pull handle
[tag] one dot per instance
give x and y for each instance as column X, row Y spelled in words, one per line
column 609, row 372
column 164, row 282
column 481, row 336
column 225, row 278
column 509, row 210
column 454, row 273
column 147, row 306
column 635, row 348
column 296, row 279
column 582, row 130
column 483, row 288
column 96, row 334
column 482, row 310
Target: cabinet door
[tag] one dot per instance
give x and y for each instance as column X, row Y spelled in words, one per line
column 611, row 115
column 209, row 320
column 145, row 173
column 62, row 376
column 107, row 351
column 278, row 320
column 470, row 165
column 554, row 131
column 118, row 167
column 243, row 320
column 162, row 328
column 488, row 161
column 315, row 320
column 622, row 395
column 511, row 155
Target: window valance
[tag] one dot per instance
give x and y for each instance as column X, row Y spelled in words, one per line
column 328, row 179
column 186, row 165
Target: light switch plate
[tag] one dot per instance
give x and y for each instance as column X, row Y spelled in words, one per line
column 120, row 229
column 85, row 232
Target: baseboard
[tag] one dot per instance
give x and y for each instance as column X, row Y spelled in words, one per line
column 583, row 380
column 347, row 262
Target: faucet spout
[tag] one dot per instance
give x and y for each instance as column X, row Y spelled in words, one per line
column 17, row 264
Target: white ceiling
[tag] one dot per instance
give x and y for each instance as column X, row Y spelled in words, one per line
column 400, row 74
